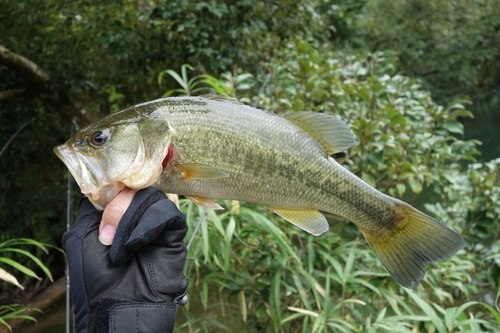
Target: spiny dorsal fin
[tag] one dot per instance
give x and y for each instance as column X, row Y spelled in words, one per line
column 220, row 98
column 331, row 132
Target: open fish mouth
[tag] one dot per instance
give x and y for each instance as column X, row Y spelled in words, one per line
column 89, row 176
column 70, row 159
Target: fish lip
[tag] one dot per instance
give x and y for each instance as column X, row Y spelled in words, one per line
column 93, row 183
column 68, row 156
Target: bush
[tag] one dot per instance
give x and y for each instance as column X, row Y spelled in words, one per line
column 281, row 279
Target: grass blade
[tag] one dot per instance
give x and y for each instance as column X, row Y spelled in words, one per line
column 19, row 267
column 429, row 311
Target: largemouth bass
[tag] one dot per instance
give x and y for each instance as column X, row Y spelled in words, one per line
column 208, row 149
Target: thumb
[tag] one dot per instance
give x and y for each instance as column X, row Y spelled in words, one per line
column 112, row 215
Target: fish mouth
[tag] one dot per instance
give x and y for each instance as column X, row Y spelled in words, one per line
column 69, row 158
column 89, row 175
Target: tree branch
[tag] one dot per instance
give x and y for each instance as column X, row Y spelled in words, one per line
column 28, row 69
column 8, row 94
column 46, row 88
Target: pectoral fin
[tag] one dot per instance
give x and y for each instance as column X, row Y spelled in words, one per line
column 200, row 171
column 205, row 202
column 311, row 221
column 331, row 132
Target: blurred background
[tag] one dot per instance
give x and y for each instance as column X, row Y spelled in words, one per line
column 418, row 82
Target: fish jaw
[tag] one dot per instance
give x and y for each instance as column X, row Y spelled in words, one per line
column 90, row 176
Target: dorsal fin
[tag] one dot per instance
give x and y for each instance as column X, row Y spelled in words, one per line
column 331, row 132
column 220, row 98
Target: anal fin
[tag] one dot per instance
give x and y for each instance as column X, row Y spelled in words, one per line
column 311, row 221
column 205, row 202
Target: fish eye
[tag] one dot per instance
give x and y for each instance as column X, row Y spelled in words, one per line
column 98, row 138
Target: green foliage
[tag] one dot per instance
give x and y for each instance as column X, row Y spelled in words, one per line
column 14, row 311
column 189, row 87
column 298, row 283
column 227, row 86
column 452, row 45
column 87, row 46
column 11, row 247
column 8, row 249
column 408, row 146
column 32, row 187
column 251, row 265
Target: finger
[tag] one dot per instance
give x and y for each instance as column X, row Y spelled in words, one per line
column 148, row 217
column 112, row 215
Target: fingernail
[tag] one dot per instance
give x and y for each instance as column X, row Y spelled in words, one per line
column 107, row 234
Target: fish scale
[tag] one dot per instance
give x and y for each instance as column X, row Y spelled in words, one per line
column 209, row 149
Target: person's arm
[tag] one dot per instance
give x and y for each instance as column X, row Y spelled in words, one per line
column 136, row 284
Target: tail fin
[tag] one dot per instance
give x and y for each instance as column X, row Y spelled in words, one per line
column 416, row 241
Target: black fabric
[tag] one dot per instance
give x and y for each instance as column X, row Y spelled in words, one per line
column 142, row 317
column 143, row 267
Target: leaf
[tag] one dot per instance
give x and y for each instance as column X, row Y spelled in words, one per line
column 216, row 221
column 381, row 315
column 312, row 286
column 9, row 278
column 415, row 185
column 216, row 323
column 272, row 229
column 429, row 311
column 494, row 312
column 229, row 237
column 401, row 188
column 460, row 113
column 457, row 104
column 177, row 78
column 303, row 311
column 349, row 262
column 275, row 296
column 243, row 305
column 204, row 299
column 453, row 126
column 303, row 294
column 160, row 77
column 369, row 179
column 292, row 317
column 32, row 257
column 19, row 267
column 398, row 120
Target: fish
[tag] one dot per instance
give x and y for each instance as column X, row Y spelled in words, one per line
column 213, row 148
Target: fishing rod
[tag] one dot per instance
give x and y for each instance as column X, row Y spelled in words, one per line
column 69, row 209
column 195, row 231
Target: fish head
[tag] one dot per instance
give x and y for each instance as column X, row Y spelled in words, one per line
column 115, row 153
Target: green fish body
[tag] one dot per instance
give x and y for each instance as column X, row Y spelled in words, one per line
column 208, row 149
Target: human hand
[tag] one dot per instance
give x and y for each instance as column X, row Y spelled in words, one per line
column 135, row 284
column 113, row 213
